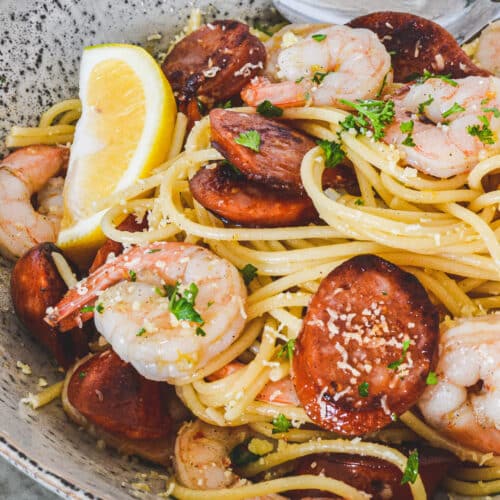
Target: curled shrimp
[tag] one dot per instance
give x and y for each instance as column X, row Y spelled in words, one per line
column 25, row 172
column 465, row 402
column 166, row 308
column 488, row 49
column 450, row 121
column 202, row 457
column 323, row 67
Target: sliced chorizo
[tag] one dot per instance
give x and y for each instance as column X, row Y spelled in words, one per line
column 418, row 44
column 110, row 246
column 281, row 149
column 111, row 394
column 378, row 478
column 214, row 62
column 368, row 342
column 35, row 285
column 243, row 202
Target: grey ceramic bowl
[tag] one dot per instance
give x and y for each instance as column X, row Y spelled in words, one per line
column 39, row 60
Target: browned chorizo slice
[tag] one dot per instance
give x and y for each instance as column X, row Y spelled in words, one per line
column 112, row 395
column 281, row 148
column 35, row 285
column 113, row 247
column 378, row 478
column 247, row 203
column 367, row 345
column 214, row 63
column 418, row 44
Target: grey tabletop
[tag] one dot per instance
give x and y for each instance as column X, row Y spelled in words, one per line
column 14, row 485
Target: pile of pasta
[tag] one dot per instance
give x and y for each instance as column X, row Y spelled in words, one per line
column 442, row 231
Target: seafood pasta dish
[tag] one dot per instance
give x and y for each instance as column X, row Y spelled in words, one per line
column 270, row 262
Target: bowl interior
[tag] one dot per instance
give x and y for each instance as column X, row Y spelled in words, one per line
column 40, row 50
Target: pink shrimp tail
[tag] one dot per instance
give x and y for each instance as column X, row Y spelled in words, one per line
column 283, row 94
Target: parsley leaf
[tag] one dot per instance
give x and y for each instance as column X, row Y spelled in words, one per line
column 381, row 89
column 396, row 364
column 87, row 309
column 359, row 202
column 456, row 108
column 241, row 455
column 484, row 133
column 281, row 424
column 230, row 168
column 287, row 349
column 299, row 79
column 267, row 108
column 249, row 139
column 427, row 74
column 182, row 306
column 372, row 114
column 319, row 76
column 411, row 470
column 201, row 106
column 82, row 374
column 319, row 37
column 432, row 378
column 154, row 250
column 407, row 128
column 224, row 105
column 495, row 111
column 423, row 105
column 133, row 275
column 333, row 151
column 363, row 389
column 248, row 273
column 200, row 332
column 140, row 332
column 100, row 308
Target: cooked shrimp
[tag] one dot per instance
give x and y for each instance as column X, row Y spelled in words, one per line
column 488, row 50
column 334, row 63
column 22, row 174
column 202, row 460
column 444, row 118
column 164, row 333
column 465, row 403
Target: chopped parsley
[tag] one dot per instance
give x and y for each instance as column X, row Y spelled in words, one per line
column 333, row 151
column 248, row 273
column 423, row 105
column 431, row 379
column 201, row 106
column 287, row 349
column 410, row 473
column 200, row 332
column 427, row 75
column 87, row 309
column 100, row 308
column 407, row 128
column 372, row 114
column 456, row 108
column 394, row 417
column 140, row 332
column 484, row 133
column 363, row 389
column 495, row 111
column 133, row 275
column 224, row 105
column 281, row 424
column 154, row 250
column 319, row 37
column 359, row 202
column 182, row 305
column 299, row 79
column 241, row 455
column 249, row 139
column 319, row 76
column 267, row 108
column 82, row 374
column 381, row 89
column 396, row 364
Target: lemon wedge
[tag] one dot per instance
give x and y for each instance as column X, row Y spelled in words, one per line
column 128, row 115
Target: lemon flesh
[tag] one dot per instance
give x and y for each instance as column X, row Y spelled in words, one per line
column 128, row 115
